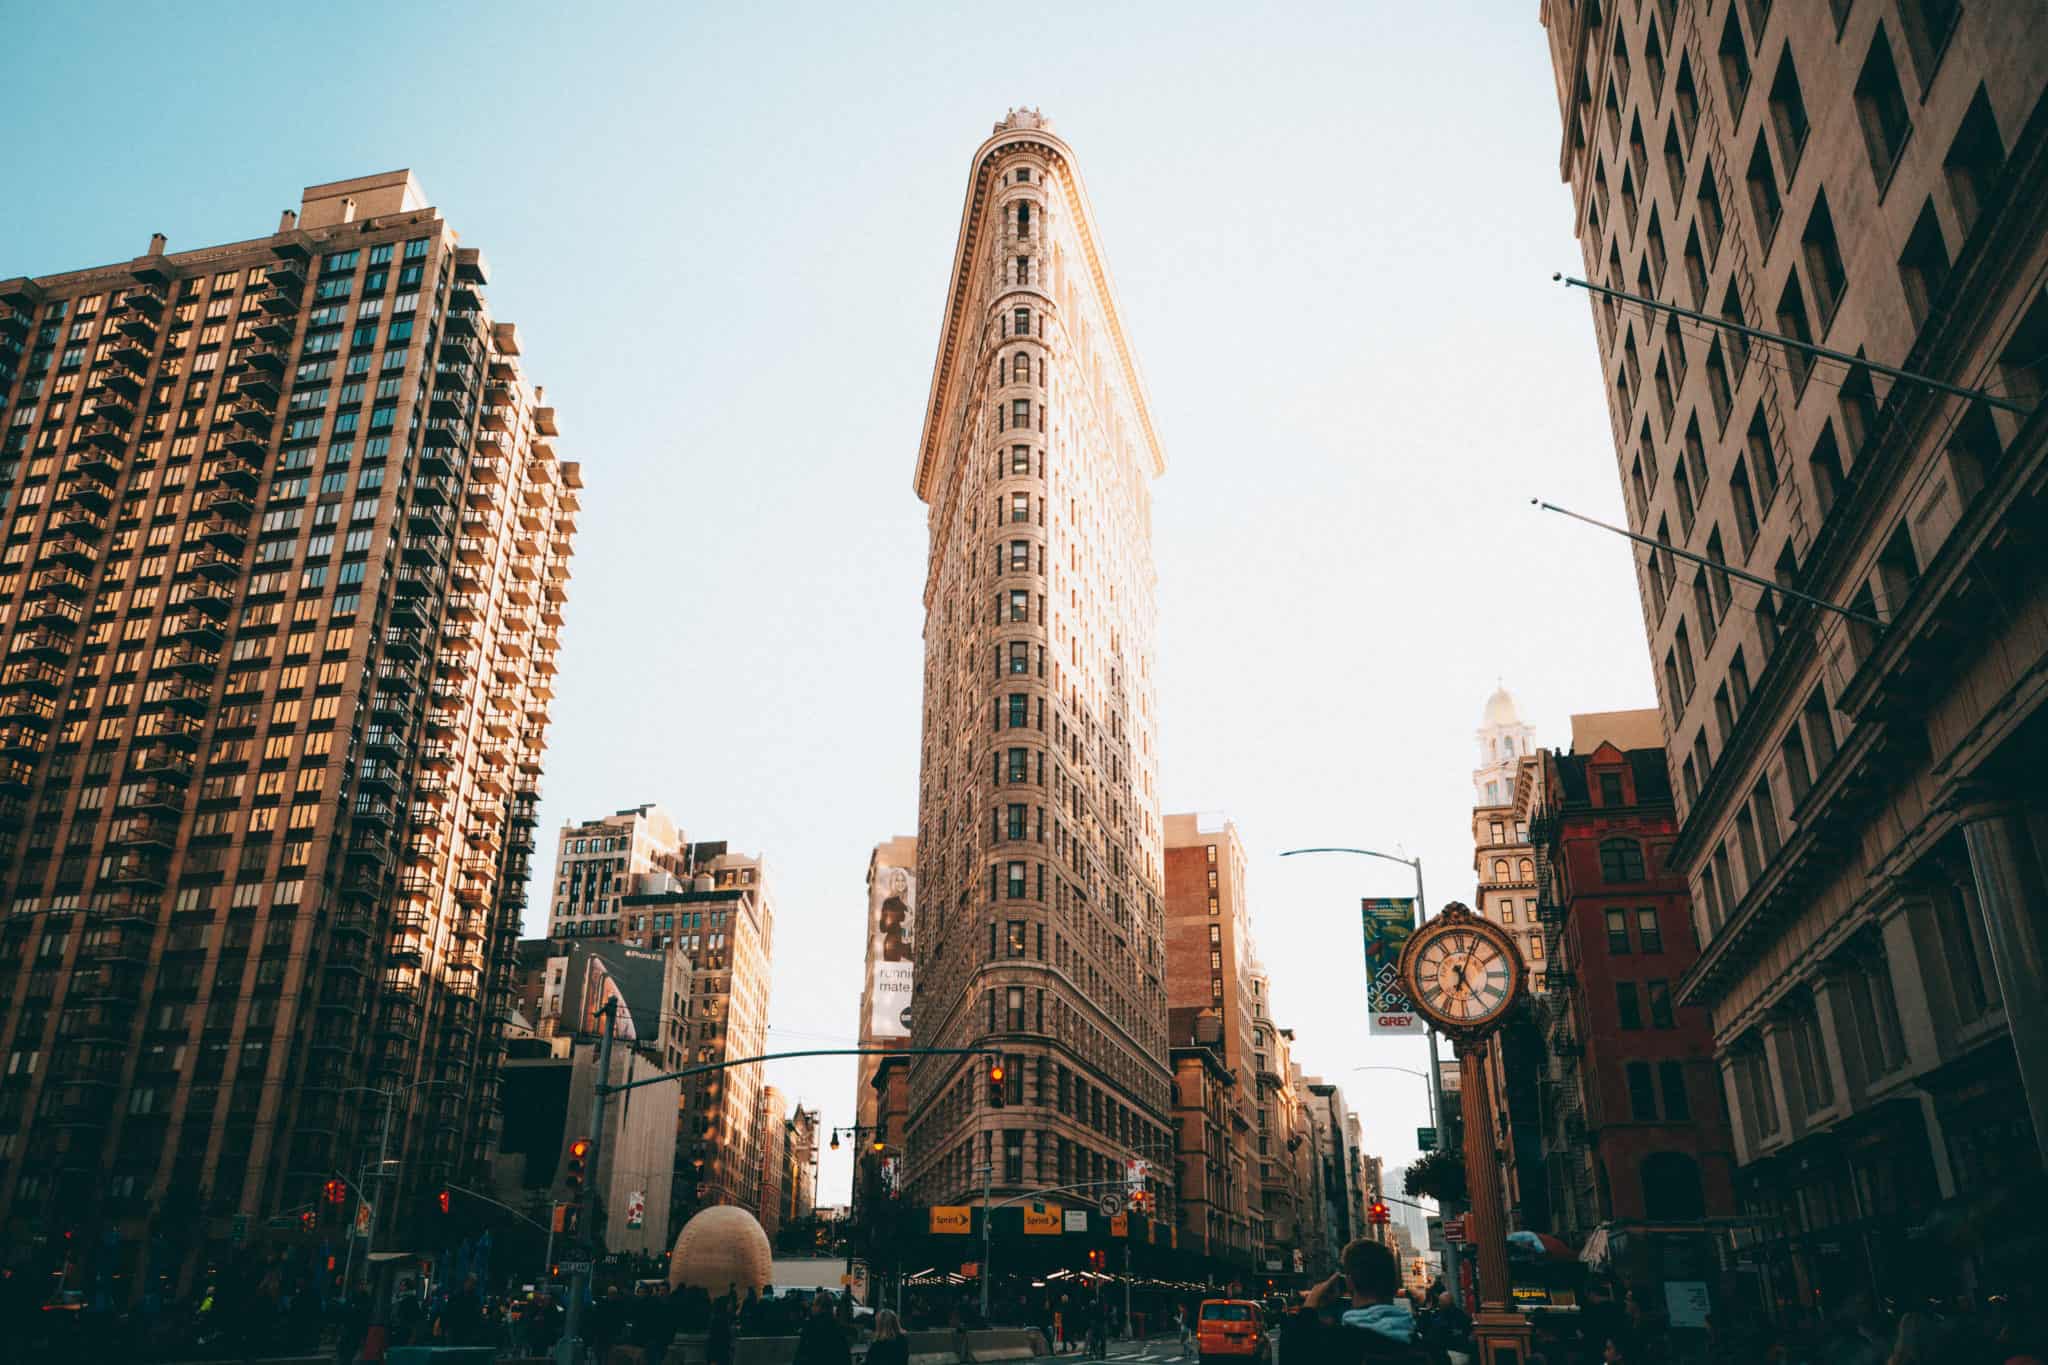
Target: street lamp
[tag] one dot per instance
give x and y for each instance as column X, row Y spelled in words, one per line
column 1435, row 1077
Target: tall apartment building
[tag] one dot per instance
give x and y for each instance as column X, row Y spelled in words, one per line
column 1039, row 858
column 1209, row 961
column 285, row 554
column 596, row 864
column 723, row 919
column 1860, row 825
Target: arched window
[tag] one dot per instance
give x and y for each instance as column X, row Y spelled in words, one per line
column 1500, row 869
column 1021, row 368
column 1621, row 860
column 1671, row 1187
column 1527, row 870
column 1024, row 218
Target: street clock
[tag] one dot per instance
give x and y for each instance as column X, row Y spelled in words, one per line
column 1463, row 973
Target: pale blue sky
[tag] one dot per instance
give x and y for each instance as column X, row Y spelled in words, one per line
column 725, row 233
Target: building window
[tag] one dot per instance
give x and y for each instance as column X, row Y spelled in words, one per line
column 1024, row 218
column 1016, row 938
column 1734, row 57
column 1013, row 1008
column 1792, row 322
column 1021, row 322
column 1014, row 822
column 1642, row 1094
column 1677, row 1107
column 1507, row 912
column 1212, row 905
column 1610, row 789
column 1617, row 932
column 1621, row 860
column 1823, row 261
column 1018, row 769
column 1020, row 554
column 1627, row 1005
column 1016, row 881
column 1020, row 710
column 1788, row 111
column 1211, row 848
column 1020, row 657
column 1764, row 202
column 1924, row 265
column 1659, row 993
column 1881, row 108
column 1499, row 833
column 1535, row 947
column 1975, row 163
column 1020, row 605
column 1651, row 937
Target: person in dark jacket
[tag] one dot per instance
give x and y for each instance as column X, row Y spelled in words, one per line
column 718, row 1341
column 821, row 1342
column 1352, row 1316
column 890, row 1346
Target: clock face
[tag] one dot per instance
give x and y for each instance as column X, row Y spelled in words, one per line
column 1462, row 976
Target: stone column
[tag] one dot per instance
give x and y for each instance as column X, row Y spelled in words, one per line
column 1779, row 1068
column 1738, row 1121
column 1839, row 1038
column 2013, row 899
column 1483, row 1177
column 1911, row 945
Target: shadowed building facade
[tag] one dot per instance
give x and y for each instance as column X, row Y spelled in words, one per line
column 1861, row 822
column 1039, row 864
column 286, row 552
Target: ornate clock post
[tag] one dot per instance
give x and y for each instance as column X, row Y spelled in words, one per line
column 1465, row 974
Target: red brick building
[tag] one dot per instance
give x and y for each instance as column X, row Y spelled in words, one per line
column 1636, row 1125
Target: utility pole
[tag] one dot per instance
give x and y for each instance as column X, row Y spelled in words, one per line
column 570, row 1349
column 988, row 1169
column 379, row 1298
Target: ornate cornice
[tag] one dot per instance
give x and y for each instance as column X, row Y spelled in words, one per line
column 1032, row 135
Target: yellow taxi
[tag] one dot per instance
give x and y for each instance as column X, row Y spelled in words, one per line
column 1230, row 1327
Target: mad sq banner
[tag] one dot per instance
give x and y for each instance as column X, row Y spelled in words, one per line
column 1388, row 922
column 892, row 928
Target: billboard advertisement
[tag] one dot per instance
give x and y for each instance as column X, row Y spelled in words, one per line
column 892, row 922
column 1388, row 922
column 598, row 973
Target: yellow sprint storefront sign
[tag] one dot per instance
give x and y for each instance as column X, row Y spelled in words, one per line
column 952, row 1218
column 1043, row 1220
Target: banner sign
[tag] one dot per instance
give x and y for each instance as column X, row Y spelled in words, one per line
column 1120, row 1226
column 600, row 973
column 1388, row 922
column 636, row 1208
column 1077, row 1220
column 1044, row 1222
column 952, row 1219
column 892, row 915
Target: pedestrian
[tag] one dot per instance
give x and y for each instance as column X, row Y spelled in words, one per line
column 890, row 1346
column 821, row 1342
column 1368, row 1325
column 461, row 1315
column 718, row 1341
column 1181, row 1328
column 352, row 1322
column 1915, row 1344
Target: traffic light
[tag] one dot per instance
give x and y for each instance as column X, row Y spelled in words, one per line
column 995, row 1083
column 1378, row 1213
column 442, row 1200
column 336, row 1191
column 309, row 1220
column 578, row 1151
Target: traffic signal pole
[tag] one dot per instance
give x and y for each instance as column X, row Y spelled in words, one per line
column 570, row 1349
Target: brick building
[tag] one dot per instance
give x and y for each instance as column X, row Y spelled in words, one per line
column 1634, row 1125
column 286, row 549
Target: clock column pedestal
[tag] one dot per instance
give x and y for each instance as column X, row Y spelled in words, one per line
column 1501, row 1332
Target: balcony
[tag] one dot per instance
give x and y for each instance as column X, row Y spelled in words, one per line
column 32, row 675
column 374, row 811
column 252, row 415
column 111, row 402
column 61, row 582
column 187, row 694
column 101, row 431
column 225, row 532
column 162, row 761
column 81, row 520
column 158, row 794
column 261, row 358
column 439, row 462
column 241, row 462
column 258, row 386
column 385, row 742
column 288, row 275
column 69, row 549
column 20, row 739
column 192, row 658
column 199, row 622
column 279, row 302
column 138, row 327
column 138, row 869
column 134, row 352
column 147, row 299
column 461, row 323
column 149, row 832
column 213, row 562
column 87, row 491
column 171, row 728
column 17, row 775
column 402, row 644
column 277, row 328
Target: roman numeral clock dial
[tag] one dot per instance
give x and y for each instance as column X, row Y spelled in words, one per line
column 1462, row 972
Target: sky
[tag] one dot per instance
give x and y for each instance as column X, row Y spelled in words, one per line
column 725, row 232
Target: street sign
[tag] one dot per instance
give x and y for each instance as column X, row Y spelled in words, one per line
column 1077, row 1220
column 280, row 1221
column 1110, row 1204
column 575, row 1267
column 1425, row 1138
column 1454, row 1229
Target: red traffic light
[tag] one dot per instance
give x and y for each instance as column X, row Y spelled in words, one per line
column 579, row 1149
column 336, row 1191
column 308, row 1220
column 996, row 1097
column 442, row 1201
column 1378, row 1212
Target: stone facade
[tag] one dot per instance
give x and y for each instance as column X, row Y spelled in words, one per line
column 1860, row 821
column 1039, row 854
